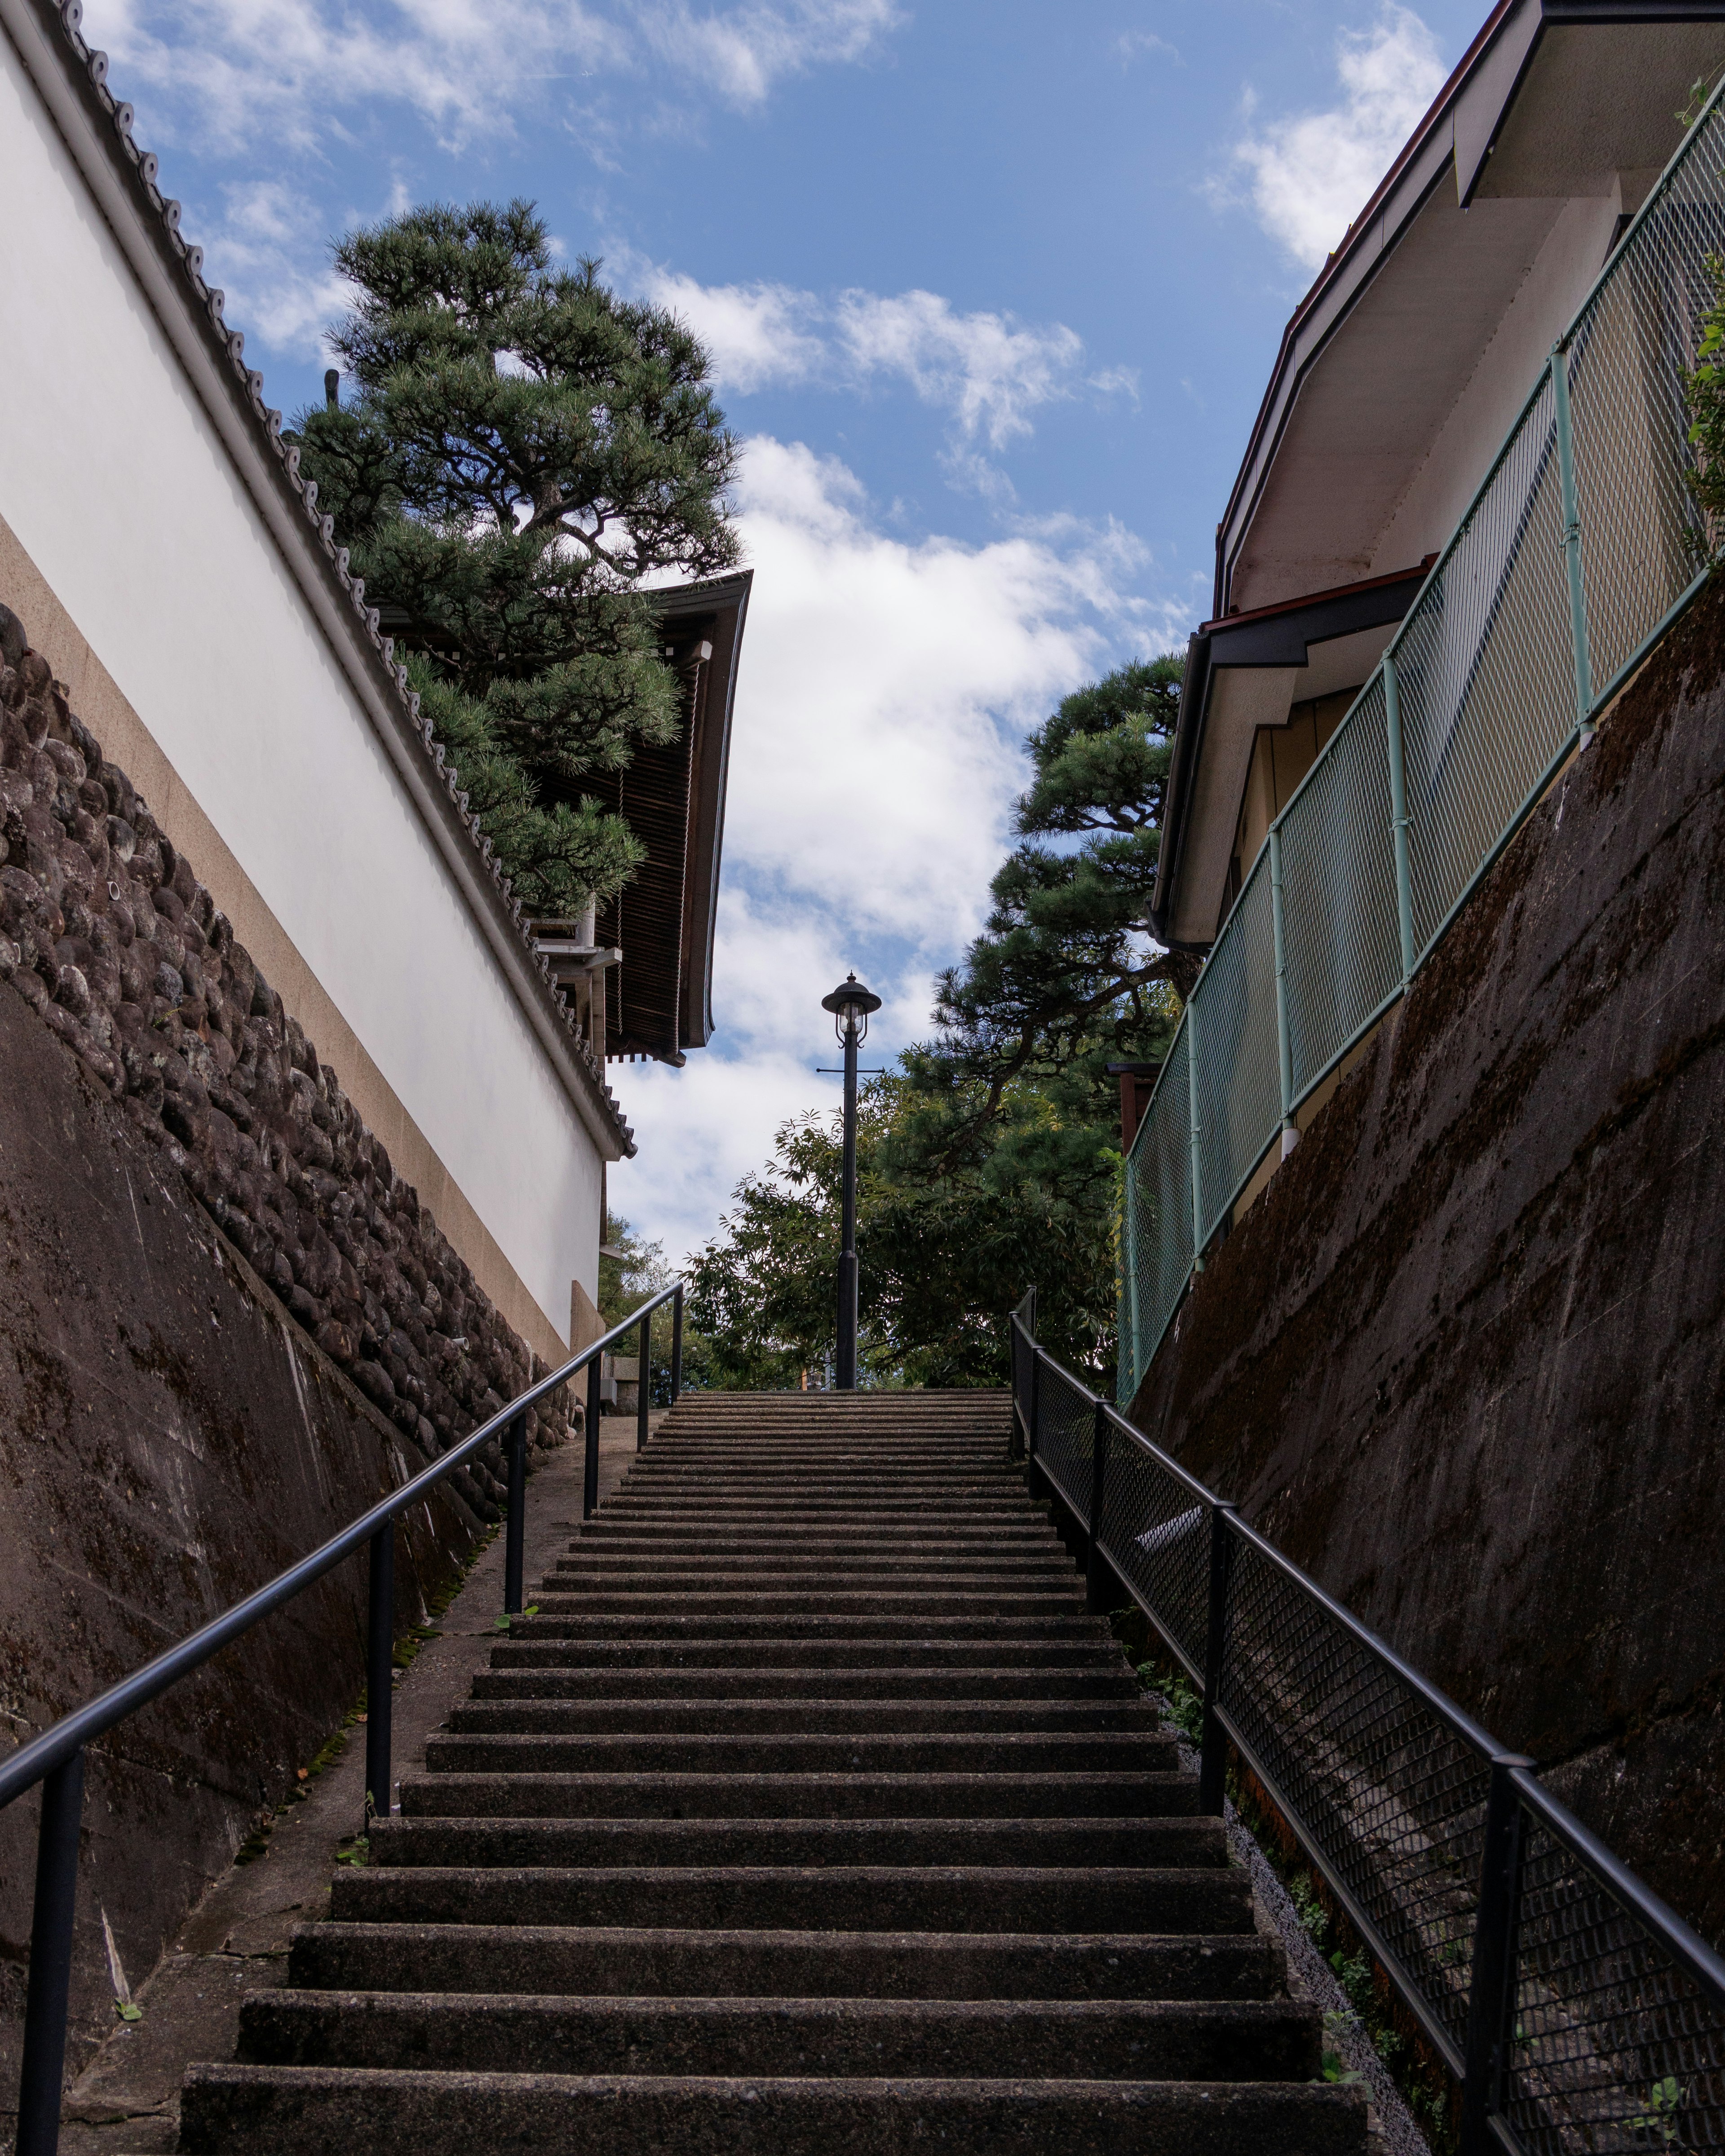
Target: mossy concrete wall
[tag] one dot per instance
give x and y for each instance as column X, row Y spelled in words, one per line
column 169, row 1439
column 1465, row 1360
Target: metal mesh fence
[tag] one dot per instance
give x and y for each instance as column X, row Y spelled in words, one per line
column 1155, row 1531
column 1239, row 1080
column 1615, row 2045
column 1065, row 1434
column 1391, row 1794
column 1157, row 1244
column 1494, row 677
column 1338, row 893
column 1610, row 2035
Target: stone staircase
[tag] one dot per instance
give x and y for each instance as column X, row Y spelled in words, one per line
column 810, row 1814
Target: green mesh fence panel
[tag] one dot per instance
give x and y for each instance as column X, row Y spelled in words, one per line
column 1157, row 1248
column 1238, row 1079
column 1486, row 675
column 1486, row 672
column 1343, row 951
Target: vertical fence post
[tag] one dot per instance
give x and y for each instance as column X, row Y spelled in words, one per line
column 1491, row 1986
column 1571, row 542
column 1192, row 1117
column 380, row 1664
column 676, row 1388
column 590, row 1434
column 1096, row 1568
column 644, row 1349
column 516, row 1531
column 44, row 2061
column 1128, row 1371
column 1284, row 1037
column 1213, row 1750
column 1398, row 816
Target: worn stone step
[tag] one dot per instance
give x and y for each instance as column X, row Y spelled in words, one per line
column 1038, row 1843
column 582, row 1682
column 645, row 1595
column 1030, row 1656
column 1051, row 2040
column 797, row 1628
column 753, row 1963
column 1112, row 1795
column 806, row 1897
column 807, row 1718
column 724, row 1562
column 923, row 1752
column 316, row 2111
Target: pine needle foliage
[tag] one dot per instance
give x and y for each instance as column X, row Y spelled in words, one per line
column 517, row 450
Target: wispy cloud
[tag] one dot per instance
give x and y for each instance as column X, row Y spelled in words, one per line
column 1133, row 44
column 988, row 373
column 887, row 685
column 1309, row 177
column 239, row 71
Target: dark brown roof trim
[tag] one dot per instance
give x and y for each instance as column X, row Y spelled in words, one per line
column 56, row 41
column 1424, row 160
column 1268, row 636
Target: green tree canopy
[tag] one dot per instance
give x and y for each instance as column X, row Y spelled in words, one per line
column 517, row 450
column 989, row 1161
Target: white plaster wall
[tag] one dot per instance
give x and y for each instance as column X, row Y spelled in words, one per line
column 118, row 487
column 1559, row 279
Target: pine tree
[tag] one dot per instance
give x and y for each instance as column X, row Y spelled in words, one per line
column 518, row 449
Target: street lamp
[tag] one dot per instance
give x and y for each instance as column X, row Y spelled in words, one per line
column 850, row 1004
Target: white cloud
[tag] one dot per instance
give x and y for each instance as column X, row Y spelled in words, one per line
column 1130, row 44
column 1311, row 176
column 885, row 691
column 988, row 372
column 234, row 72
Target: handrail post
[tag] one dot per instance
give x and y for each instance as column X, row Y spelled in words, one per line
column 1572, row 541
column 1398, row 816
column 1284, row 1037
column 515, row 1534
column 1491, row 1985
column 644, row 1351
column 590, row 1441
column 380, row 1657
column 1095, row 1571
column 1212, row 1749
column 1192, row 1117
column 50, row 1978
column 676, row 1384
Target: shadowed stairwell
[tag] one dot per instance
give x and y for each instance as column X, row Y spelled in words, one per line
column 810, row 1812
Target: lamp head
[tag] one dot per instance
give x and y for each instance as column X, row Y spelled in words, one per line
column 850, row 1004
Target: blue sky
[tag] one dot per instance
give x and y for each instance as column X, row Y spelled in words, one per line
column 991, row 289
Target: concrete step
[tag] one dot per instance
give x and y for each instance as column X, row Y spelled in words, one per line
column 602, row 1531
column 1110, row 1794
column 722, row 1561
column 1030, row 1657
column 1046, row 2040
column 805, row 1629
column 923, row 1752
column 316, row 2111
column 645, row 1595
column 642, row 1963
column 792, row 1717
column 1037, row 1844
column 577, row 1682
column 803, row 1897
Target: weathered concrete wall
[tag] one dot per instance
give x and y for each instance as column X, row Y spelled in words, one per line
column 1465, row 1360
column 169, row 1439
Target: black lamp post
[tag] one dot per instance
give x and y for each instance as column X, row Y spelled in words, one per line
column 850, row 1004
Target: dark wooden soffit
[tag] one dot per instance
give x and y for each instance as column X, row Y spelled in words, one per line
column 660, row 998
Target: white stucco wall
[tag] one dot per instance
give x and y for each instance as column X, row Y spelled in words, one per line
column 1559, row 279
column 120, row 488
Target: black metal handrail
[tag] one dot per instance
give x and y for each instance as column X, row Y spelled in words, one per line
column 1576, row 2010
column 55, row 1758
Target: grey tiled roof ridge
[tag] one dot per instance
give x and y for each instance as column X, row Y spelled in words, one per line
column 209, row 298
